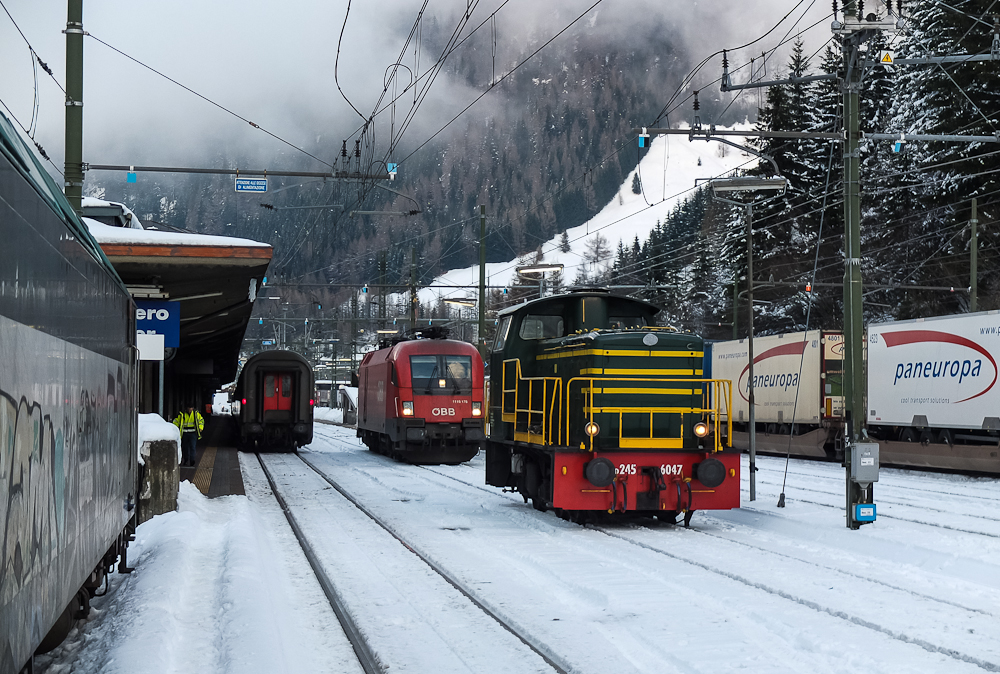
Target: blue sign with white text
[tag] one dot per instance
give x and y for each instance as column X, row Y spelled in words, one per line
column 159, row 317
column 251, row 184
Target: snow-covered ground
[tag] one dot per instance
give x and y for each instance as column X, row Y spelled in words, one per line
column 667, row 173
column 221, row 585
column 328, row 414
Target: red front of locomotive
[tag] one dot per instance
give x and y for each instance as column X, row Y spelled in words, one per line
column 622, row 481
column 429, row 394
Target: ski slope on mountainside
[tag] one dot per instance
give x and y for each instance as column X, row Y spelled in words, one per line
column 668, row 173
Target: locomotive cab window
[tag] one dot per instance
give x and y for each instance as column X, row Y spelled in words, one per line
column 501, row 339
column 542, row 327
column 444, row 374
column 626, row 322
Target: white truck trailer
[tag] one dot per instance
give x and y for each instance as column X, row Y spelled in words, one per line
column 797, row 390
column 933, row 391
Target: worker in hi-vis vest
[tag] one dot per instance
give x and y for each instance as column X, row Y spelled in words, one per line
column 191, row 424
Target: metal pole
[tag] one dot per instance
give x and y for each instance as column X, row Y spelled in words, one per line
column 736, row 308
column 750, row 397
column 413, row 287
column 973, row 253
column 481, row 336
column 74, row 104
column 854, row 335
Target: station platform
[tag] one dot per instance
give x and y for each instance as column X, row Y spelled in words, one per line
column 217, row 465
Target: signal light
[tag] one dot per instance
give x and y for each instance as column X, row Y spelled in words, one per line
column 809, row 287
column 244, row 401
column 311, row 402
column 364, row 289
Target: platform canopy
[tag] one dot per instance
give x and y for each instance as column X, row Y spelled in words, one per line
column 215, row 279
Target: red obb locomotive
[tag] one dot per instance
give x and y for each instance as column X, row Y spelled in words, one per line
column 421, row 401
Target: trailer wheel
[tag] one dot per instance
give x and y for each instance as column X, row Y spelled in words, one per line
column 946, row 437
column 907, row 435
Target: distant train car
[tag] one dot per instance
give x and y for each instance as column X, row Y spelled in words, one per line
column 798, row 389
column 68, row 463
column 421, row 401
column 932, row 395
column 594, row 409
column 275, row 390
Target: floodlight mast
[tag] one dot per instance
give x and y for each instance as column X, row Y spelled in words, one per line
column 731, row 186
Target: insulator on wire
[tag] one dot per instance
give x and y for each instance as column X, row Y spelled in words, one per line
column 835, row 9
column 357, row 148
column 343, row 149
column 861, row 8
column 899, row 8
column 697, row 105
column 725, row 56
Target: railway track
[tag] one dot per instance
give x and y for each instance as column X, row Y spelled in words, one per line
column 775, row 590
column 368, row 653
column 771, row 566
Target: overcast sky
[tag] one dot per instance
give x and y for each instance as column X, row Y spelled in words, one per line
column 273, row 63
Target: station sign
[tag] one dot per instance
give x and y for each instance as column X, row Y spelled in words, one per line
column 255, row 185
column 158, row 317
column 267, row 342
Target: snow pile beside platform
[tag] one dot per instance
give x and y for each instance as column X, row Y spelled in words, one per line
column 152, row 427
column 333, row 416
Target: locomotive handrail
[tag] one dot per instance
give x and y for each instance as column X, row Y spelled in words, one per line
column 721, row 387
column 547, row 410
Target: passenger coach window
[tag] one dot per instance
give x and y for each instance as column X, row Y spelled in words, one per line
column 269, row 386
column 541, row 327
column 286, row 386
column 501, row 339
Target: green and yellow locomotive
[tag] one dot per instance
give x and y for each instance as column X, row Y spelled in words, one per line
column 595, row 409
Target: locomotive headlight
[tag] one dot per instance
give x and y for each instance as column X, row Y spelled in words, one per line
column 442, row 383
column 701, row 429
column 477, row 409
column 408, row 409
column 591, row 428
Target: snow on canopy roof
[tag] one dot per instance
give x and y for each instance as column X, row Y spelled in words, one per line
column 92, row 202
column 108, row 234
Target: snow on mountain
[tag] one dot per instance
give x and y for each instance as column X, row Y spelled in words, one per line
column 667, row 173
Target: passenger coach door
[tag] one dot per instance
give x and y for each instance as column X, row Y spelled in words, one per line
column 277, row 391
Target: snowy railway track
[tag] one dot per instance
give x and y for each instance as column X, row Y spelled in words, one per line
column 898, row 590
column 883, row 514
column 771, row 589
column 366, row 657
column 368, row 653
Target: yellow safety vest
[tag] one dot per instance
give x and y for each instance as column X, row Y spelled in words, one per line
column 190, row 422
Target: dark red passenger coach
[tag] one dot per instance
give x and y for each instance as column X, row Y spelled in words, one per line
column 421, row 401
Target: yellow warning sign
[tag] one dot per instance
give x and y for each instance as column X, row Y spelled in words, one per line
column 886, row 58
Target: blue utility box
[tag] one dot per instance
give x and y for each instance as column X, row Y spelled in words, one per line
column 864, row 512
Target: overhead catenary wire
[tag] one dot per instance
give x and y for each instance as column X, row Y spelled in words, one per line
column 210, row 101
